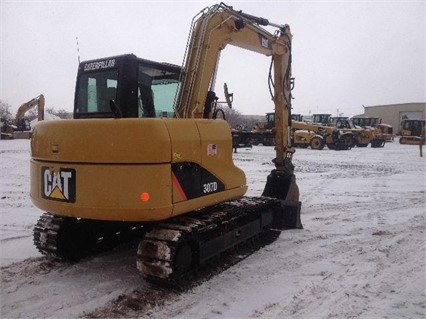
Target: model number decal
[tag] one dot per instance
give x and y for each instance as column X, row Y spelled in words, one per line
column 209, row 187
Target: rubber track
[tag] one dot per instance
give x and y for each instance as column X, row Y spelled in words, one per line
column 157, row 252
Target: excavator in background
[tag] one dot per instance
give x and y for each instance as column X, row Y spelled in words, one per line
column 20, row 128
column 136, row 161
column 412, row 132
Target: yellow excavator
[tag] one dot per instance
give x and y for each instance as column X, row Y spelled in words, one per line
column 144, row 156
column 20, row 127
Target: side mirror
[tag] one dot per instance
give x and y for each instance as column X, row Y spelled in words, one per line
column 228, row 96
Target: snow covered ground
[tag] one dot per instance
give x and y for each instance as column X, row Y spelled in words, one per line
column 361, row 253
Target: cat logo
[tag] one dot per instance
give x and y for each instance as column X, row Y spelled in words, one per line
column 58, row 185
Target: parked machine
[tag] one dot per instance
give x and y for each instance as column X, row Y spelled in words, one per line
column 362, row 136
column 136, row 161
column 412, row 131
column 303, row 134
column 297, row 117
column 317, row 136
column 264, row 132
column 20, row 127
column 383, row 130
column 321, row 119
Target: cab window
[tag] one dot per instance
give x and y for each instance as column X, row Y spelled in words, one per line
column 96, row 90
column 156, row 92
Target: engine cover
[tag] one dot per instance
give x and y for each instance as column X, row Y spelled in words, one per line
column 132, row 169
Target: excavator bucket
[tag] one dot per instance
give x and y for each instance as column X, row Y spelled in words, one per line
column 282, row 185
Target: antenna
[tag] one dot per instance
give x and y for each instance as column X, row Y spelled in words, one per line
column 78, row 50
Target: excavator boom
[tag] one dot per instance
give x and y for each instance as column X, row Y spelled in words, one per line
column 24, row 108
column 212, row 31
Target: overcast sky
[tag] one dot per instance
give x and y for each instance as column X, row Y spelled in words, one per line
column 346, row 54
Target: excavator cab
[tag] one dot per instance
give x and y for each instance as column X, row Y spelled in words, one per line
column 125, row 86
column 23, row 125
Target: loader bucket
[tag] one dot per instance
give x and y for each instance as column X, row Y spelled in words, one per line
column 282, row 185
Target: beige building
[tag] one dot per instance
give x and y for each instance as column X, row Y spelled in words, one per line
column 393, row 113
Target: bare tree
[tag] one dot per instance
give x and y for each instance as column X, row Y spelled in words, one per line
column 50, row 110
column 252, row 120
column 233, row 117
column 239, row 121
column 63, row 114
column 5, row 112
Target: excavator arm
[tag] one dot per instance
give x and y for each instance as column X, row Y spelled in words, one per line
column 212, row 30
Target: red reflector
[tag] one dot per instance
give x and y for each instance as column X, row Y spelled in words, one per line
column 144, row 197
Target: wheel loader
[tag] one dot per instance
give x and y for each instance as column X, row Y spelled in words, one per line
column 383, row 131
column 303, row 134
column 144, row 157
column 362, row 136
column 317, row 136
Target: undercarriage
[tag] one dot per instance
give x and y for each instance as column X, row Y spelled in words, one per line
column 176, row 247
